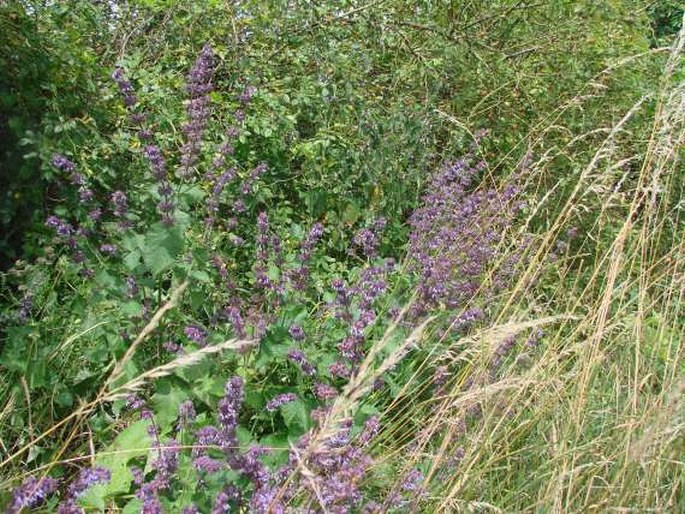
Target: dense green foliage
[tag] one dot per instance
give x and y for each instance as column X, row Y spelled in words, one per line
column 208, row 206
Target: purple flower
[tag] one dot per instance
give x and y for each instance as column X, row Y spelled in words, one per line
column 85, row 195
column 440, row 376
column 131, row 287
column 534, row 339
column 200, row 76
column 120, row 203
column 296, row 333
column 219, row 184
column 221, row 503
column 209, row 465
column 501, row 352
column 205, row 437
column 196, row 334
column 31, row 493
column 456, row 235
column 239, row 206
column 308, row 244
column 88, row 478
column 340, row 369
column 236, row 321
column 247, row 94
column 324, row 392
column 134, row 402
column 412, row 481
column 371, row 428
column 186, row 414
column 63, row 228
column 252, row 177
column 199, row 86
column 172, row 347
column 26, row 307
column 262, row 222
column 63, row 164
column 229, row 408
column 279, row 400
column 158, row 166
column 109, row 249
column 157, row 163
column 95, row 214
column 125, row 87
column 298, row 357
column 368, row 238
column 468, row 317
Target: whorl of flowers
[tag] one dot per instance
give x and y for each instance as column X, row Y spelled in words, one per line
column 125, row 87
column 299, row 358
column 158, row 167
column 368, row 239
column 196, row 334
column 280, row 400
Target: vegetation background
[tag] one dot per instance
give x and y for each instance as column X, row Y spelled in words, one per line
column 398, row 256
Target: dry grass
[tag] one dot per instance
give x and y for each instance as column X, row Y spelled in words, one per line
column 596, row 422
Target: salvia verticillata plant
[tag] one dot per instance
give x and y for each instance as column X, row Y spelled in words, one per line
column 233, row 436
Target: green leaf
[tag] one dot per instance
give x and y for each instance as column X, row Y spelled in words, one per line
column 161, row 247
column 132, row 308
column 132, row 442
column 132, row 259
column 166, row 406
column 132, row 507
column 296, row 415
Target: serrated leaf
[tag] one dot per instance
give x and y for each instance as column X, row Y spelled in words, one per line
column 132, row 308
column 161, row 247
column 132, row 442
column 166, row 406
column 296, row 415
column 132, row 507
column 132, row 259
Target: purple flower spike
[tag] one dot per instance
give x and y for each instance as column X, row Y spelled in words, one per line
column 109, row 249
column 186, row 414
column 88, row 478
column 279, row 400
column 247, row 94
column 198, row 86
column 208, row 465
column 31, row 493
column 367, row 239
column 313, row 237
